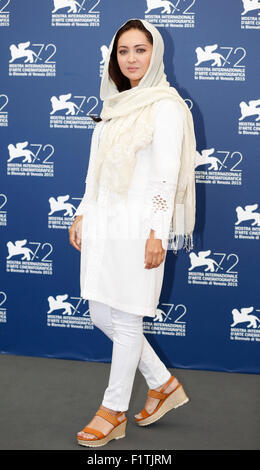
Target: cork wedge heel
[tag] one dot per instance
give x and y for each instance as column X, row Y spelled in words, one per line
column 168, row 401
column 116, row 433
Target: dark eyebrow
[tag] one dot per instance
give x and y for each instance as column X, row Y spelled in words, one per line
column 135, row 45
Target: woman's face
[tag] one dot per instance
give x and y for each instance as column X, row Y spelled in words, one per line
column 134, row 53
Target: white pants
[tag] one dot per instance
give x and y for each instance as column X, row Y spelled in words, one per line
column 130, row 350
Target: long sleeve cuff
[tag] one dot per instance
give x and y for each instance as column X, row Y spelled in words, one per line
column 82, row 207
column 159, row 202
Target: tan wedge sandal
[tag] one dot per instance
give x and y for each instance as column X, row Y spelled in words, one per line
column 116, row 433
column 168, row 401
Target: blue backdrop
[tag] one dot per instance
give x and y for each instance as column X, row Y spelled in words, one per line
column 51, row 59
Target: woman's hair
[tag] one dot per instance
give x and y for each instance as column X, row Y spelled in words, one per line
column 122, row 82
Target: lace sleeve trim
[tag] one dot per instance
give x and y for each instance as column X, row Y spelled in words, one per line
column 159, row 201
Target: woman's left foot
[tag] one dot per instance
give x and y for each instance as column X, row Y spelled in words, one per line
column 151, row 402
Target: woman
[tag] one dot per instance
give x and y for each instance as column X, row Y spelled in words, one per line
column 140, row 185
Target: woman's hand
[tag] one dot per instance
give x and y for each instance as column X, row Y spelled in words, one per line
column 75, row 232
column 154, row 252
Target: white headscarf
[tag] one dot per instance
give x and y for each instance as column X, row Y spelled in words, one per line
column 130, row 129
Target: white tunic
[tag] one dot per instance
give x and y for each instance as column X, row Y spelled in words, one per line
column 112, row 268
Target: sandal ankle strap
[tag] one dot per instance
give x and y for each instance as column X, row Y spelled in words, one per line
column 108, row 416
column 161, row 395
column 155, row 394
column 167, row 383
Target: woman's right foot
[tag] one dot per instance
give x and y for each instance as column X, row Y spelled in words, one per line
column 101, row 424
